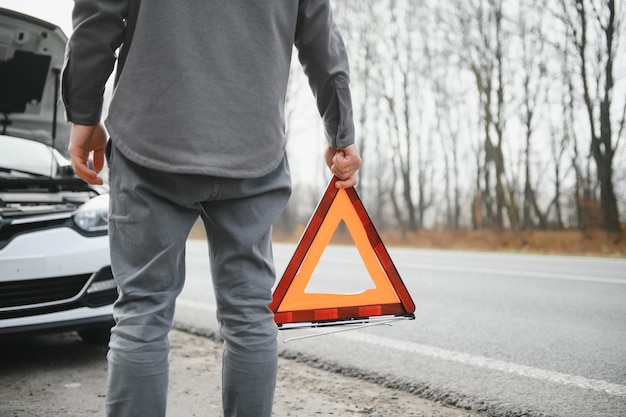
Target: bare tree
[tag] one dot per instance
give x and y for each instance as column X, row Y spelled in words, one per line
column 595, row 28
column 448, row 124
column 534, row 83
column 399, row 81
column 483, row 52
column 417, row 114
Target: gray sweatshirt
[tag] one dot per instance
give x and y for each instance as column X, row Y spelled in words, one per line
column 203, row 86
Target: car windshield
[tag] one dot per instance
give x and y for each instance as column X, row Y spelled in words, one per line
column 19, row 157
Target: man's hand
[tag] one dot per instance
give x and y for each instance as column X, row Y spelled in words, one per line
column 344, row 163
column 83, row 141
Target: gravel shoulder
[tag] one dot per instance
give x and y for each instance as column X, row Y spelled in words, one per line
column 58, row 375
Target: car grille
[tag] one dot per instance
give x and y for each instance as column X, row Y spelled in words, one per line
column 41, row 291
column 8, row 229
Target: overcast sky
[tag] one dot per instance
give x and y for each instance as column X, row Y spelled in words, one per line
column 58, row 12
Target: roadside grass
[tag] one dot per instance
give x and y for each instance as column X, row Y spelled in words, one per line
column 549, row 242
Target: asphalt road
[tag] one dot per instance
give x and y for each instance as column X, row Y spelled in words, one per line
column 503, row 334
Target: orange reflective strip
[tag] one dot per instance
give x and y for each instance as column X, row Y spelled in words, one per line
column 344, row 313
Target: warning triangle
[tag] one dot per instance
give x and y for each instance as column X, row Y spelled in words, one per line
column 291, row 302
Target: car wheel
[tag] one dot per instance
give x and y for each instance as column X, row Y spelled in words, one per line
column 96, row 335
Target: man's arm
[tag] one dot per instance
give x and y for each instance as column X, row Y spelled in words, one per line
column 323, row 55
column 90, row 56
column 99, row 27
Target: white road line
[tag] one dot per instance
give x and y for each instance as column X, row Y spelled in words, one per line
column 485, row 362
column 525, row 274
column 460, row 357
column 489, row 271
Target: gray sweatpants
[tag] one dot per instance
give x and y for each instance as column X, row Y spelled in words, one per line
column 151, row 214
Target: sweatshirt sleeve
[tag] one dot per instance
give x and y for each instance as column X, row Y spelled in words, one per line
column 90, row 56
column 323, row 56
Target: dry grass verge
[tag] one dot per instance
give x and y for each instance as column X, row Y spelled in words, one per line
column 564, row 242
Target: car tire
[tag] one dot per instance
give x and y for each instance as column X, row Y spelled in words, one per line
column 96, row 335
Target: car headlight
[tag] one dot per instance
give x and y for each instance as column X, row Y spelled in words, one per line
column 93, row 216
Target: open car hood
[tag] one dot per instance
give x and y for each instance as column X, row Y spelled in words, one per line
column 31, row 59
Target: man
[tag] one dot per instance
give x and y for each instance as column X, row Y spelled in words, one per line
column 196, row 128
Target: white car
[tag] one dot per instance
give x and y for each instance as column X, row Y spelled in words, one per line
column 55, row 272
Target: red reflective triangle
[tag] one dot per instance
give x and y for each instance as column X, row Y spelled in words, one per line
column 291, row 304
